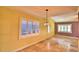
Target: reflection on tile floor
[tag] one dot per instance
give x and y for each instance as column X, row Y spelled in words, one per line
column 55, row 44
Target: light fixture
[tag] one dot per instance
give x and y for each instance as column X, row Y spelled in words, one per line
column 46, row 23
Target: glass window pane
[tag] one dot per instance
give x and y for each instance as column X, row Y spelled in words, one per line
column 37, row 27
column 33, row 27
column 69, row 28
column 62, row 28
column 24, row 27
column 30, row 27
column 59, row 29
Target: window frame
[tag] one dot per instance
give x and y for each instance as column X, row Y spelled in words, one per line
column 63, row 28
column 27, row 34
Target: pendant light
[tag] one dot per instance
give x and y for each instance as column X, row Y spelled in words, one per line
column 46, row 23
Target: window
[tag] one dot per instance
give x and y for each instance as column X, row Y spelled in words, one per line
column 59, row 28
column 67, row 28
column 23, row 27
column 35, row 27
column 29, row 27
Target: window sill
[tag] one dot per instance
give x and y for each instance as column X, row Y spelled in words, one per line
column 29, row 35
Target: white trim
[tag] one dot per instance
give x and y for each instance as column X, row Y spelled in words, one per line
column 27, row 45
column 28, row 35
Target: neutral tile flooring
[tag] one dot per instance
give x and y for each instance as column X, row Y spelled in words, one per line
column 55, row 44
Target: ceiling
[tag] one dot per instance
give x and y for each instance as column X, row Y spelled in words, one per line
column 66, row 17
column 40, row 10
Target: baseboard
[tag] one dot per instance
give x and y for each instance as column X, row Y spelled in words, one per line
column 29, row 45
column 67, row 36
